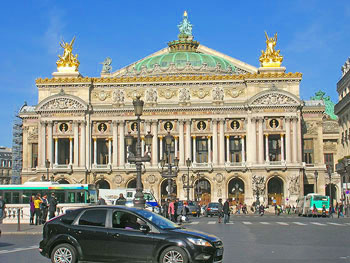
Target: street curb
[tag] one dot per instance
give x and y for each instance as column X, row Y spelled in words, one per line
column 21, row 233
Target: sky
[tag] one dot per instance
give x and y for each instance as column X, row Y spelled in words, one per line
column 313, row 36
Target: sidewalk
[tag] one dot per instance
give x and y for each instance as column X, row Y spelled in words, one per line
column 25, row 229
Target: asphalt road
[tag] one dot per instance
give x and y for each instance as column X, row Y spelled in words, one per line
column 247, row 239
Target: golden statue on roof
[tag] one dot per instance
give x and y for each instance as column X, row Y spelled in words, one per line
column 270, row 57
column 67, row 62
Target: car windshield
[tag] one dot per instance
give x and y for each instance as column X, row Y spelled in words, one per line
column 320, row 198
column 158, row 220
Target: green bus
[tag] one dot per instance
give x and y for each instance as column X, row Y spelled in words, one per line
column 306, row 204
column 65, row 193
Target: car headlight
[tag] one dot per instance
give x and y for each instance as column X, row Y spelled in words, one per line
column 199, row 242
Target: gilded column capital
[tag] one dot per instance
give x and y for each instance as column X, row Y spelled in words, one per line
column 160, row 137
column 194, row 136
column 209, row 136
column 228, row 136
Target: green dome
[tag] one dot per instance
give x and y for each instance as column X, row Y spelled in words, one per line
column 181, row 58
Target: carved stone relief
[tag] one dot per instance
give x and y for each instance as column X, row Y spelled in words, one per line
column 62, row 104
column 218, row 94
column 101, row 95
column 330, row 127
column 233, row 92
column 274, row 99
column 200, row 93
column 184, row 95
column 167, row 93
column 258, row 184
column 330, row 146
column 294, row 185
column 311, row 128
column 118, row 96
column 151, row 96
column 118, row 179
column 133, row 93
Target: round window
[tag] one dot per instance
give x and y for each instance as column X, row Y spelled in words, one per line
column 235, row 125
column 201, row 125
column 63, row 127
column 168, row 126
column 102, row 127
column 133, row 126
column 274, row 123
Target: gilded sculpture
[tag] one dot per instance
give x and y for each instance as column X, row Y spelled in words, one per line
column 271, row 57
column 185, row 27
column 67, row 62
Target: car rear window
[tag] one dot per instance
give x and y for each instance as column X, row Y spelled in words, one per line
column 213, row 205
column 93, row 217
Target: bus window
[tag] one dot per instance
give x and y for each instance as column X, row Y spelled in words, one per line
column 15, row 198
column 91, row 196
column 26, row 196
column 148, row 196
column 128, row 194
column 71, row 197
column 60, row 196
column 7, row 198
column 80, row 197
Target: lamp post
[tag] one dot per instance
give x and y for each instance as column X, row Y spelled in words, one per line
column 345, row 198
column 47, row 165
column 187, row 185
column 137, row 158
column 173, row 168
column 316, row 177
column 330, row 184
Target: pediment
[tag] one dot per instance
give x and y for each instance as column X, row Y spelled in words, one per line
column 274, row 97
column 62, row 102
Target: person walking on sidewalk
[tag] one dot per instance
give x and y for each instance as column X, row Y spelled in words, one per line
column 220, row 210
column 171, row 211
column 44, row 208
column 52, row 206
column 37, row 202
column 32, row 210
column 226, row 210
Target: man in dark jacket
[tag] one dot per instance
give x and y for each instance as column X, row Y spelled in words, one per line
column 226, row 210
column 121, row 200
column 52, row 206
column 176, row 206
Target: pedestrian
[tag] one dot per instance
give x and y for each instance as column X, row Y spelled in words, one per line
column 226, row 210
column 261, row 210
column 198, row 210
column 37, row 202
column 330, row 211
column 166, row 208
column 31, row 209
column 121, row 200
column 340, row 210
column 44, row 208
column 52, row 206
column 220, row 210
column 314, row 210
column 171, row 210
column 101, row 201
column 176, row 206
column 2, row 208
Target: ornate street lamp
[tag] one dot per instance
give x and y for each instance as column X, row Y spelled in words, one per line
column 137, row 158
column 316, row 177
column 330, row 184
column 187, row 185
column 47, row 165
column 173, row 168
column 347, row 171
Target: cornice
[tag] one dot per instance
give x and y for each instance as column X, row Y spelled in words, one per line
column 249, row 76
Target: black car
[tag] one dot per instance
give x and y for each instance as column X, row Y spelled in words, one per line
column 125, row 234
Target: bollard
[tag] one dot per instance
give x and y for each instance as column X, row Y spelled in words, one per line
column 18, row 219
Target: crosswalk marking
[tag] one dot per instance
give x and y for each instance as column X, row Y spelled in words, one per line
column 5, row 251
column 264, row 223
column 211, row 222
column 230, row 223
column 317, row 223
column 194, row 223
column 335, row 224
column 300, row 224
column 282, row 223
column 246, row 223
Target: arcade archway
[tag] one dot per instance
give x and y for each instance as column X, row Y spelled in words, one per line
column 102, row 184
column 275, row 191
column 132, row 184
column 164, row 189
column 202, row 191
column 63, row 181
column 236, row 190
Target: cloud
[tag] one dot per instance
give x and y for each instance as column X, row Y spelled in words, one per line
column 54, row 32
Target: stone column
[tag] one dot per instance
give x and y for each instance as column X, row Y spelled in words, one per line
column 209, row 149
column 76, row 143
column 222, row 142
column 175, row 142
column 267, row 158
column 181, row 143
column 30, row 155
column 70, row 151
column 95, row 151
column 288, row 140
column 194, row 149
column 228, row 149
column 40, row 141
column 82, row 144
column 253, row 153
column 243, row 148
column 121, row 143
column 50, row 142
column 282, row 147
column 188, row 139
column 109, row 151
column 155, row 143
column 115, row 144
column 88, row 156
column 56, row 151
column 43, row 145
column 215, row 142
column 143, row 145
column 261, row 141
column 161, row 152
column 295, row 146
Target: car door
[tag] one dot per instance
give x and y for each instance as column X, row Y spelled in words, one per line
column 90, row 232
column 126, row 242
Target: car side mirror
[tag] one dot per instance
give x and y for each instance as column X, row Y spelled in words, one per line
column 145, row 228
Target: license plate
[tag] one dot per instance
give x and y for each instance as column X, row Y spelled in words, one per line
column 219, row 252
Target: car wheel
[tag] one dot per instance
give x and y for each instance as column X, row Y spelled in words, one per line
column 173, row 255
column 64, row 253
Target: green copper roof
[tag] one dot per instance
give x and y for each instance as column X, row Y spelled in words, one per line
column 329, row 105
column 181, row 58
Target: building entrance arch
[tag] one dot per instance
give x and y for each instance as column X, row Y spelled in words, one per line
column 102, row 184
column 275, row 191
column 62, row 181
column 202, row 191
column 236, row 190
column 164, row 189
column 132, row 184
